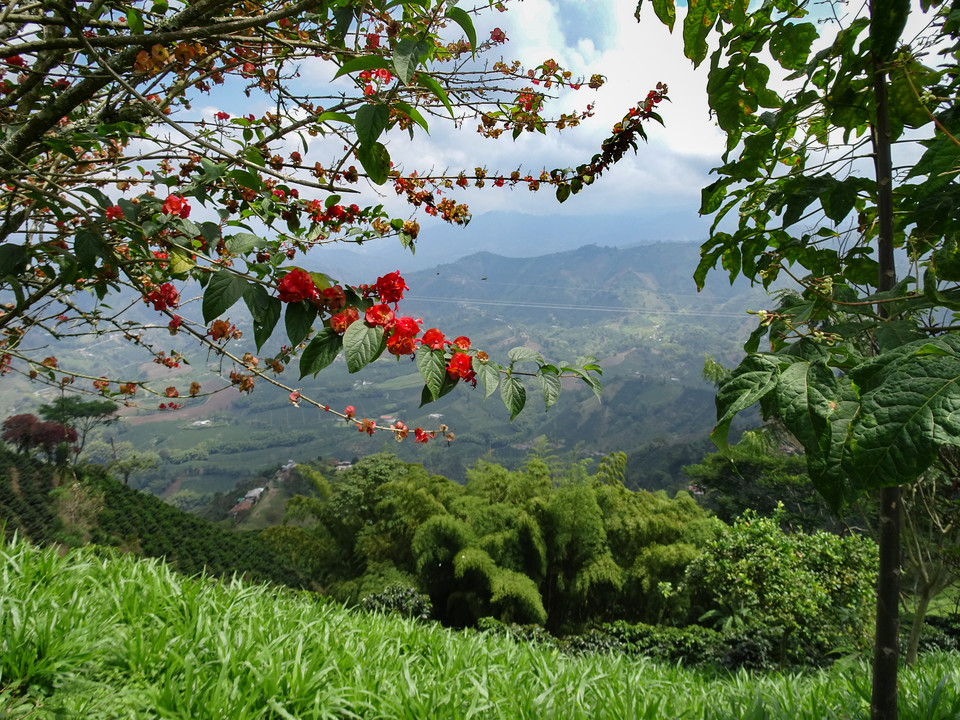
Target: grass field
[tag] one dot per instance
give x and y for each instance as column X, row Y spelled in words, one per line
column 88, row 636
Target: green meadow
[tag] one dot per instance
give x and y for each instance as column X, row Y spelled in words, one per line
column 93, row 634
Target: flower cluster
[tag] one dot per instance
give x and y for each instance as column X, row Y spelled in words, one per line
column 297, row 285
column 380, row 76
column 176, row 205
column 163, row 297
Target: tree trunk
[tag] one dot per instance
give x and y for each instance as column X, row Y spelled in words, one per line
column 883, row 704
column 920, row 613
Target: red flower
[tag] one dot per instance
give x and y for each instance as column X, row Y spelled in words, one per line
column 434, row 339
column 349, row 411
column 334, row 297
column 407, row 326
column 175, row 324
column 420, row 436
column 379, row 315
column 222, row 116
column 220, row 330
column 367, row 426
column 462, row 342
column 373, row 41
column 498, row 36
column 341, row 321
column 114, row 212
column 460, row 366
column 400, row 430
column 166, row 296
column 176, row 205
column 297, row 285
column 172, row 392
column 399, row 344
column 389, row 288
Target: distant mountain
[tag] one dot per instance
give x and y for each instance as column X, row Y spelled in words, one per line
column 510, row 235
column 634, row 308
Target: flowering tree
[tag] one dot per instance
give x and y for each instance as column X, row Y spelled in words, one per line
column 27, row 433
column 112, row 181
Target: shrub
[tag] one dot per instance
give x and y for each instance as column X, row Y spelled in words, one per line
column 400, row 600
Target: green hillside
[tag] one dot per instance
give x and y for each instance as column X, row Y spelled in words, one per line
column 48, row 505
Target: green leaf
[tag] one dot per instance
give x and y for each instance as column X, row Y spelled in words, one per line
column 887, row 21
column 337, row 116
column 242, row 243
column 426, row 396
column 364, row 62
column 550, row 382
column 265, row 311
column 88, row 246
column 666, row 12
column 463, row 19
column 131, row 211
column 223, row 290
column 805, row 398
column 321, row 351
column 13, row 259
column 102, row 200
column 790, row 44
column 298, row 320
column 181, row 261
column 370, row 123
column 412, row 113
column 834, row 478
column 747, row 384
column 513, row 394
column 910, row 408
column 246, row 179
column 433, row 86
column 524, row 354
column 489, row 375
column 406, row 57
column 701, row 15
column 563, row 192
column 433, row 369
column 376, row 161
column 135, row 21
column 362, row 344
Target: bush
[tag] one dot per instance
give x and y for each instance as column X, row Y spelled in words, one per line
column 808, row 595
column 535, row 634
column 940, row 633
column 400, row 600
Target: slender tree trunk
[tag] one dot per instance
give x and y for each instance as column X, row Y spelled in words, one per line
column 883, row 705
column 919, row 615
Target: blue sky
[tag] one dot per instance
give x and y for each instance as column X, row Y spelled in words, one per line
column 651, row 196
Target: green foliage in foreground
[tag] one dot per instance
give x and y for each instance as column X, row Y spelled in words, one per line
column 115, row 637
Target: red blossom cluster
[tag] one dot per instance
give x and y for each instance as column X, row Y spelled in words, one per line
column 163, row 297
column 176, row 205
column 297, row 285
column 381, row 76
column 335, row 214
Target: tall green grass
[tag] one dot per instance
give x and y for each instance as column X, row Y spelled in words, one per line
column 108, row 636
